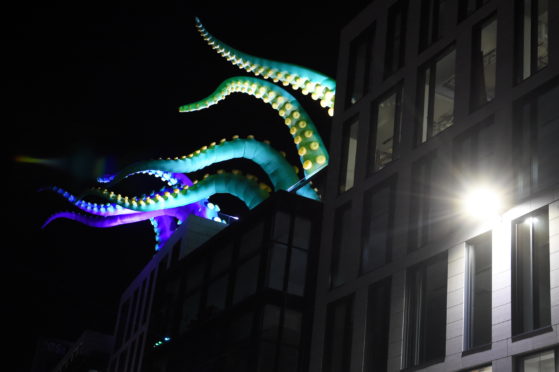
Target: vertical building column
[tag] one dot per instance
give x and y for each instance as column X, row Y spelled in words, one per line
column 455, row 306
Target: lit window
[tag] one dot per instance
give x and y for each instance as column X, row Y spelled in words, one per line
column 531, row 309
column 349, row 155
column 385, row 131
column 532, row 37
column 484, row 63
column 539, row 362
column 436, row 89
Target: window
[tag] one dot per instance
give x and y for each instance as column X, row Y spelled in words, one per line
column 539, row 362
column 339, row 329
column 537, row 128
column 531, row 306
column 474, row 153
column 484, row 63
column 378, row 321
column 436, row 92
column 420, row 205
column 477, row 330
column 246, row 279
column 481, row 369
column 467, row 7
column 385, row 130
column 339, row 269
column 532, row 52
column 349, row 155
column 435, row 21
column 359, row 74
column 425, row 322
column 377, row 226
column 395, row 37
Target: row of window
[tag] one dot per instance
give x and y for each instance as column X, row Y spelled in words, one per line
column 426, row 304
column 531, row 36
column 436, row 84
column 474, row 160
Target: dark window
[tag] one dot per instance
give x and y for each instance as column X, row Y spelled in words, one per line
column 251, row 241
column 385, row 130
column 349, row 155
column 339, row 270
column 276, row 271
column 221, row 260
column 425, row 324
column 217, row 295
column 297, row 272
column 484, row 62
column 302, row 228
column 282, row 225
column 478, row 292
column 378, row 321
column 474, row 153
column 377, row 226
column 339, row 329
column 436, row 92
column 536, row 151
column 189, row 311
column 420, row 203
column 359, row 74
column 532, row 24
column 531, row 308
column 396, row 37
column 150, row 286
column 246, row 279
column 543, row 361
column 467, row 7
column 435, row 21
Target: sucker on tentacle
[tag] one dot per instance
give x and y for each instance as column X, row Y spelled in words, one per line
column 244, row 188
column 321, row 87
column 311, row 149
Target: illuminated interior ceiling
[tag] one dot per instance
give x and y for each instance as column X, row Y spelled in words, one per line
column 168, row 207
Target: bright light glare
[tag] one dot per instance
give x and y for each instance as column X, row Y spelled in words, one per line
column 482, row 203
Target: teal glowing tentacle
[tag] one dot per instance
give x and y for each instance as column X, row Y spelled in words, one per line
column 245, row 188
column 280, row 172
column 310, row 147
column 320, row 86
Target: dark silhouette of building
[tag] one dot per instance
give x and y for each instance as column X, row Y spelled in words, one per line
column 48, row 353
column 90, row 353
column 242, row 301
column 441, row 104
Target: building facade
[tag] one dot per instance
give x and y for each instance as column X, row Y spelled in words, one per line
column 243, row 301
column 437, row 99
column 135, row 306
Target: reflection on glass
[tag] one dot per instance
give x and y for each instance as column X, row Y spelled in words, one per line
column 541, row 362
column 533, row 41
column 387, row 125
column 438, row 96
column 349, row 156
column 484, row 63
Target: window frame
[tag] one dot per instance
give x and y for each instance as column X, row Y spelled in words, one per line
column 519, row 40
column 478, row 71
column 366, row 38
column 519, row 358
column 345, row 154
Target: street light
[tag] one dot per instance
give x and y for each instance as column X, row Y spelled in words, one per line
column 482, row 203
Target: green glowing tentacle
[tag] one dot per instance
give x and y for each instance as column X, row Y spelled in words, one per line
column 281, row 173
column 245, row 188
column 320, row 86
column 310, row 147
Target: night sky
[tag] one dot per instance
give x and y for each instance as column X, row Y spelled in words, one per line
column 100, row 83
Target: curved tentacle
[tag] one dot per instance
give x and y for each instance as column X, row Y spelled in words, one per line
column 320, row 86
column 310, row 147
column 98, row 209
column 244, row 188
column 170, row 178
column 280, row 172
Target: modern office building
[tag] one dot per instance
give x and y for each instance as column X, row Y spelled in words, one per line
column 136, row 301
column 90, row 353
column 442, row 104
column 243, row 301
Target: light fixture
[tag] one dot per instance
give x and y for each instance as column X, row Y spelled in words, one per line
column 482, row 203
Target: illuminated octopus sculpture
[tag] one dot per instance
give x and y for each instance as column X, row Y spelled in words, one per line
column 169, row 207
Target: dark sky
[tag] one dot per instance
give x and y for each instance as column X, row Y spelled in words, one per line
column 103, row 80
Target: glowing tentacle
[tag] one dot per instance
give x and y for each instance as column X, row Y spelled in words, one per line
column 320, row 86
column 277, row 168
column 310, row 147
column 244, row 188
column 98, row 209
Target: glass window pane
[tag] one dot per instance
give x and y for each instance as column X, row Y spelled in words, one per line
column 297, row 272
column 337, row 345
column 221, row 260
column 246, row 280
column 443, row 106
column 281, row 227
column 387, row 125
column 217, row 294
column 251, row 241
column 360, row 65
column 278, row 258
column 349, row 155
column 291, row 327
column 484, row 63
column 301, row 232
column 194, row 276
column 543, row 26
column 271, row 323
column 376, row 228
column 190, row 308
column 339, row 261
